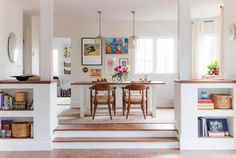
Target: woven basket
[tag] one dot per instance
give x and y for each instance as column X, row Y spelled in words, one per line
column 21, row 129
column 21, row 96
column 222, row 101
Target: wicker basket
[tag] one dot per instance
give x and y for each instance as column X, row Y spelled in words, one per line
column 222, row 101
column 21, row 129
column 21, row 96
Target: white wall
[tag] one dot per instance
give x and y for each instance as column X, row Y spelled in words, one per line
column 35, row 45
column 230, row 46
column 76, row 30
column 11, row 20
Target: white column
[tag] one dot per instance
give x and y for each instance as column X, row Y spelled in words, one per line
column 185, row 40
column 46, row 35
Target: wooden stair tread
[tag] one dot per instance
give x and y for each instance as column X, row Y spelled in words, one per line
column 139, row 139
column 113, row 127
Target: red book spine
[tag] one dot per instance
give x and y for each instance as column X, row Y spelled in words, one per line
column 205, row 101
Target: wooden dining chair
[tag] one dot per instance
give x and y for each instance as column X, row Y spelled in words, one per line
column 109, row 98
column 135, row 94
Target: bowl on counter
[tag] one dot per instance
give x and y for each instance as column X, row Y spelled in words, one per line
column 22, row 77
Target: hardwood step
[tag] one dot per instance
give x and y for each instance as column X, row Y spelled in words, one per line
column 116, row 127
column 144, row 139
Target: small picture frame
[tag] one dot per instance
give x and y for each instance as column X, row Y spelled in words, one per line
column 123, row 62
column 95, row 72
column 91, row 54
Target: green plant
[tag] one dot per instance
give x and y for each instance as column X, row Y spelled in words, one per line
column 214, row 68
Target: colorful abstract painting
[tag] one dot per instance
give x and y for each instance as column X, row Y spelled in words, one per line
column 116, row 45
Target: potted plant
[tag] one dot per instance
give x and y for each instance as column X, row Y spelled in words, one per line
column 214, row 68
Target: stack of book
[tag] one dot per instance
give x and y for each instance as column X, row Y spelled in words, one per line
column 205, row 104
column 209, row 127
column 6, row 101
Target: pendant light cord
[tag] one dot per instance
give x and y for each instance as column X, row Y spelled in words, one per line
column 100, row 24
column 133, row 12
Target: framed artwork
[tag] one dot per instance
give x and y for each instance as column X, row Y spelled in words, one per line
column 123, row 62
column 95, row 72
column 91, row 51
column 67, row 59
column 116, row 45
column 109, row 64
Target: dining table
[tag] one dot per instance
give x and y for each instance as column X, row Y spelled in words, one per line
column 83, row 88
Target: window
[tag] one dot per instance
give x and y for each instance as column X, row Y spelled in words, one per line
column 155, row 55
column 55, row 62
column 165, row 56
column 144, row 56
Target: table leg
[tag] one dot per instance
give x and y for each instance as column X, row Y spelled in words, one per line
column 154, row 101
column 81, row 100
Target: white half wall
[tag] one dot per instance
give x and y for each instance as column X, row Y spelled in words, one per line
column 11, row 21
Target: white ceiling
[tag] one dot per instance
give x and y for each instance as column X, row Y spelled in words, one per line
column 146, row 10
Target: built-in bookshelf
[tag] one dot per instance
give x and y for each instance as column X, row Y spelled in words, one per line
column 36, row 114
column 205, row 127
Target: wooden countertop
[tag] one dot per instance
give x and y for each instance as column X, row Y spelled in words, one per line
column 27, row 82
column 205, row 81
column 118, row 83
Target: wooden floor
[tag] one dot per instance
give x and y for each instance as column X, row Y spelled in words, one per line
column 120, row 154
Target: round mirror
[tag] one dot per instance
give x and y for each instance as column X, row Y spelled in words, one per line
column 12, row 47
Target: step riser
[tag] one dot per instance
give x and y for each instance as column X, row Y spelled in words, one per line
column 117, row 134
column 117, row 145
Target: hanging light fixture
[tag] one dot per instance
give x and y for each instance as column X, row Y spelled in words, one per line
column 99, row 37
column 134, row 38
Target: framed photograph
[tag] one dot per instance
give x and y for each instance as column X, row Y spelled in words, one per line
column 116, row 45
column 123, row 62
column 95, row 72
column 91, row 51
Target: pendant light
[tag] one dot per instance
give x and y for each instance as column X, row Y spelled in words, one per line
column 99, row 37
column 133, row 36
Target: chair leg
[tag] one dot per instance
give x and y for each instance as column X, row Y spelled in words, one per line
column 146, row 108
column 91, row 109
column 128, row 110
column 109, row 109
column 142, row 107
column 124, row 106
column 114, row 108
column 94, row 112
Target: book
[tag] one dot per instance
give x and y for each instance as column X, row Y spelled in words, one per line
column 205, row 101
column 217, row 127
column 216, row 134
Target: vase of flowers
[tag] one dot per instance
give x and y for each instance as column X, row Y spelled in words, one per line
column 120, row 73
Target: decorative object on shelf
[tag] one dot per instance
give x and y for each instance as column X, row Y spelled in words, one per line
column 222, row 101
column 121, row 73
column 13, row 51
column 101, row 80
column 85, row 69
column 21, row 129
column 232, row 32
column 6, row 101
column 204, row 95
column 91, row 52
column 116, row 45
column 109, row 64
column 95, row 72
column 21, row 100
column 22, row 77
column 123, row 62
column 6, row 129
column 214, row 68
